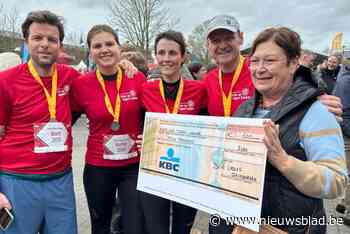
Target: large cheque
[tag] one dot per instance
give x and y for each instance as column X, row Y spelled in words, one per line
column 214, row 164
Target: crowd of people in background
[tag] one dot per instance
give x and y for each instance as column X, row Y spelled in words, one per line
column 40, row 95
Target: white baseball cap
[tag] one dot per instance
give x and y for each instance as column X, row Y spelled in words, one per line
column 222, row 22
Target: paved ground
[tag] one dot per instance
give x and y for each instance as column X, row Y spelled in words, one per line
column 80, row 137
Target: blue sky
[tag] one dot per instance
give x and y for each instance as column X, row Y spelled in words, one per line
column 317, row 21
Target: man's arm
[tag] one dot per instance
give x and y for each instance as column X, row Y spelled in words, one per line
column 324, row 174
column 333, row 104
column 5, row 105
column 345, row 125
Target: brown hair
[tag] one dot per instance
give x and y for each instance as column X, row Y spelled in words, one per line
column 172, row 36
column 43, row 17
column 284, row 37
column 98, row 29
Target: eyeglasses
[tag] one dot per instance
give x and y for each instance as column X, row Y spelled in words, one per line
column 265, row 62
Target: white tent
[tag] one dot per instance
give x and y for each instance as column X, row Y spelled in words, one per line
column 9, row 59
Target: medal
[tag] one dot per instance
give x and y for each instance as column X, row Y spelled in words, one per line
column 50, row 98
column 115, row 126
column 177, row 100
column 227, row 100
column 116, row 112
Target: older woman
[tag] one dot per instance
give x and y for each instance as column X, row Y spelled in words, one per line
column 304, row 141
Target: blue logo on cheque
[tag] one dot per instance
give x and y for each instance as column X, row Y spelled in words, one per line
column 170, row 162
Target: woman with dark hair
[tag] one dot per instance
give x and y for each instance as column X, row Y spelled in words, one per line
column 113, row 107
column 175, row 95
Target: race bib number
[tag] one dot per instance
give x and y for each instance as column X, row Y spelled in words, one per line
column 50, row 137
column 119, row 147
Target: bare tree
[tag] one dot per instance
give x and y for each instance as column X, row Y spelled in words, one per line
column 2, row 18
column 13, row 21
column 74, row 38
column 9, row 27
column 196, row 44
column 140, row 20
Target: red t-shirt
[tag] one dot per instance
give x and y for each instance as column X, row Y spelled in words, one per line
column 241, row 92
column 88, row 97
column 192, row 101
column 23, row 103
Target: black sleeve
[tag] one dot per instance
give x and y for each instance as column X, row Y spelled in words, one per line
column 75, row 117
column 345, row 124
column 315, row 79
column 341, row 90
column 320, row 83
column 143, row 114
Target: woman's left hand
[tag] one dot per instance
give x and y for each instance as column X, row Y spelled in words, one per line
column 128, row 67
column 275, row 154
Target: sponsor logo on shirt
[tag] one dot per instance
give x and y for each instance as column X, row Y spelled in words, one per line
column 129, row 96
column 187, row 106
column 153, row 79
column 63, row 91
column 241, row 94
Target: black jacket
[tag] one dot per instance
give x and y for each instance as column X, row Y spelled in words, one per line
column 281, row 199
column 329, row 77
column 342, row 90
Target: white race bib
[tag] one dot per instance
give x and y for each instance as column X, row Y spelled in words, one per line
column 50, row 137
column 119, row 147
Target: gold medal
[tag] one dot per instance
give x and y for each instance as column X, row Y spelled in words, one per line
column 177, row 100
column 116, row 112
column 227, row 100
column 51, row 98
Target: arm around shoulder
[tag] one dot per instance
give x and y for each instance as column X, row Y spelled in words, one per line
column 323, row 174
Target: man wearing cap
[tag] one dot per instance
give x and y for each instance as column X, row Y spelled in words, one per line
column 231, row 84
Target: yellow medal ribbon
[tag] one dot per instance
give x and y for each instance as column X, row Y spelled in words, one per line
column 227, row 100
column 178, row 97
column 116, row 112
column 51, row 99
